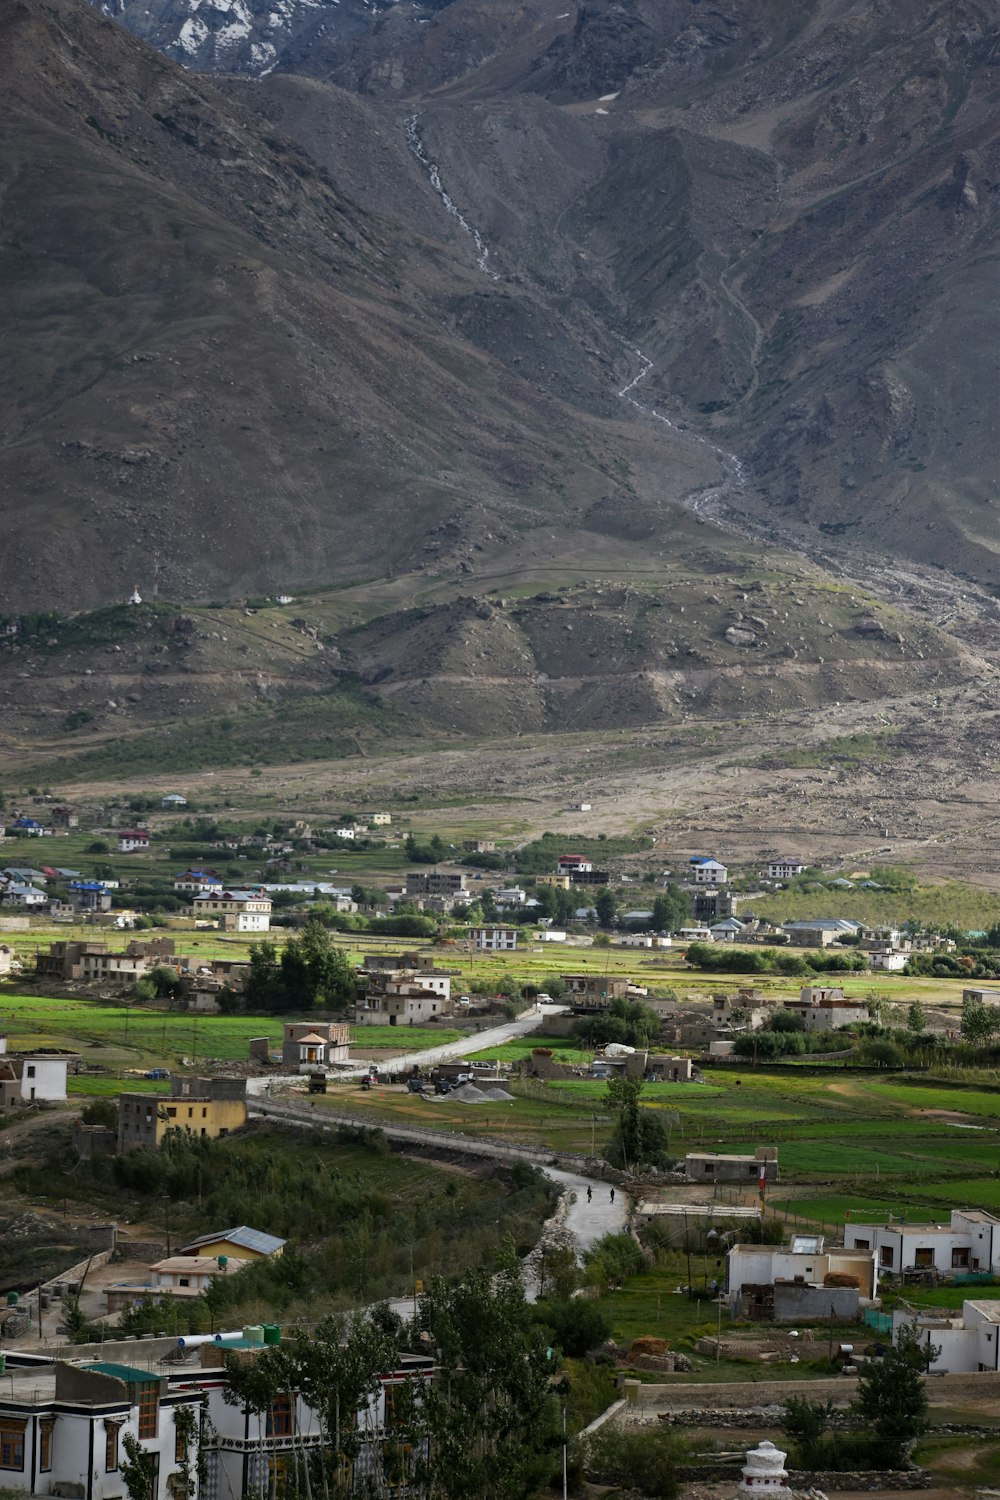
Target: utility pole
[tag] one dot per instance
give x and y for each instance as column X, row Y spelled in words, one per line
column 565, row 1491
column 687, row 1247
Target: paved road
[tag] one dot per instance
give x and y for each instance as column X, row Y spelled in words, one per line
column 466, row 1046
column 590, row 1222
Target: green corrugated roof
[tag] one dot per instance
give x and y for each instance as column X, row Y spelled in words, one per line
column 129, row 1373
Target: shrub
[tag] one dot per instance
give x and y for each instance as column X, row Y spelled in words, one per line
column 100, row 1112
column 647, row 1460
column 613, row 1260
column 578, row 1324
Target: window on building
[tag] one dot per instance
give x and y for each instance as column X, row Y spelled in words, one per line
column 886, row 1256
column 149, row 1409
column 923, row 1257
column 180, row 1446
column 279, row 1419
column 30, row 1070
column 862, row 1244
column 959, row 1259
column 171, row 1112
column 111, row 1430
column 12, row 1443
column 45, row 1445
column 184, row 1281
column 204, row 1113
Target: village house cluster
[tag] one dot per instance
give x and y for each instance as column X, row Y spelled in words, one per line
column 64, row 1419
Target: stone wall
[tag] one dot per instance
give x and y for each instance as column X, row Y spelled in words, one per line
column 646, row 1401
column 859, row 1479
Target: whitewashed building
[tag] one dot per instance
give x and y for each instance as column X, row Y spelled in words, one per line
column 705, row 871
column 967, row 1342
column 805, row 1261
column 62, row 1422
column 969, row 1242
column 494, row 939
column 62, row 1425
column 196, row 883
column 241, row 911
column 133, row 840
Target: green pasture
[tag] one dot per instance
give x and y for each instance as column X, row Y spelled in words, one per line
column 964, row 1464
column 133, row 1036
column 948, row 1297
column 529, row 1119
column 835, row 1208
column 564, row 1050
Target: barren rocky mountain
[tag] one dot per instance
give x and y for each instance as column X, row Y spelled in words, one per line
column 528, row 334
column 384, row 297
column 225, row 373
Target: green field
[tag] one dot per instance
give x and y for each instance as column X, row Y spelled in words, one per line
column 535, row 1117
column 133, row 1036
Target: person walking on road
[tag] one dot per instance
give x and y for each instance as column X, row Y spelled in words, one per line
column 590, row 1193
column 612, row 1195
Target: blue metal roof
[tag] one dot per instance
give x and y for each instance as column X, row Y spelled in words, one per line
column 244, row 1236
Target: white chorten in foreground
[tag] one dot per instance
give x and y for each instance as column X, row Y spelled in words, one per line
column 764, row 1471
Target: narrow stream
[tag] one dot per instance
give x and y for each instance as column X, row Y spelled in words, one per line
column 701, row 500
column 419, row 150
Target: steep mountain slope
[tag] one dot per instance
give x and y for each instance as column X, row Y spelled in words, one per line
column 203, row 330
column 791, row 208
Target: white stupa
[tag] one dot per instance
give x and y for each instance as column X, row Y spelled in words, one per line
column 135, row 597
column 764, row 1471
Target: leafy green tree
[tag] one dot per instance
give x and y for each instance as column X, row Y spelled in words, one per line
column 559, row 1273
column 367, row 895
column 254, row 1384
column 264, row 987
column 606, row 906
column 882, row 1052
column 329, row 975
column 577, row 1325
column 613, row 1260
column 187, row 1429
column 138, row 1469
column 337, row 1370
column 671, row 909
column 627, row 1021
column 979, row 1021
column 166, row 981
column 915, row 1017
column 891, row 1396
column 429, row 852
column 876, row 1001
column 487, row 1426
column 622, row 1103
